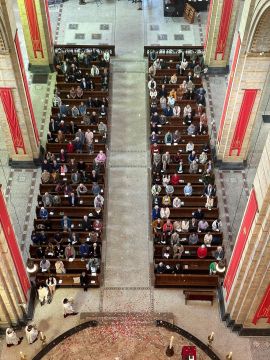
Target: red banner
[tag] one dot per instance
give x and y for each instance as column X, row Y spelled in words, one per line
column 240, row 242
column 224, row 27
column 13, row 246
column 49, row 22
column 228, row 92
column 12, row 119
column 31, row 13
column 208, row 23
column 263, row 310
column 26, row 88
column 243, row 120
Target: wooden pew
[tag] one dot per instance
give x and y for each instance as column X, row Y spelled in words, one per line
column 201, row 295
column 67, row 279
column 189, row 280
column 190, row 251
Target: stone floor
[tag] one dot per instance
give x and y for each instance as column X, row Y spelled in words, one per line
column 127, row 253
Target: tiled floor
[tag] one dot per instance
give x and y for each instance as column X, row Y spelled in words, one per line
column 122, row 24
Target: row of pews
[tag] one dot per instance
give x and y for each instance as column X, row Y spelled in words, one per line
column 184, row 255
column 69, row 224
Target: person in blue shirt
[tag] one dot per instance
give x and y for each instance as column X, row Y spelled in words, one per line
column 84, row 250
column 168, row 111
column 155, row 213
column 43, row 213
column 188, row 189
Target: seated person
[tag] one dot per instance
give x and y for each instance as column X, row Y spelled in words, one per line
column 189, row 147
column 72, row 199
column 160, row 268
column 81, row 190
column 94, row 250
column 43, row 213
column 198, row 214
column 167, row 252
column 191, row 130
column 70, row 252
column 93, row 264
column 66, row 223
column 188, row 189
column 193, row 239
column 216, row 225
column 177, row 203
column 219, row 253
column 86, row 223
column 208, row 237
column 84, row 250
column 203, row 225
column 193, row 167
column 178, row 251
column 44, row 265
column 202, row 252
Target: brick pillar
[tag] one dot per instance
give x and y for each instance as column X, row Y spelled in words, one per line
column 17, row 120
column 246, row 284
column 219, row 35
column 14, row 282
column 36, row 26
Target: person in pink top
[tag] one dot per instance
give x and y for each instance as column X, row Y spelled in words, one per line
column 100, row 158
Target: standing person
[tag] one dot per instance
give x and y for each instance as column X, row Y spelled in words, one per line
column 51, row 283
column 68, row 308
column 31, row 333
column 12, row 338
column 84, row 280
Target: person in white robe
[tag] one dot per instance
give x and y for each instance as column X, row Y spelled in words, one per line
column 68, row 308
column 31, row 334
column 12, row 338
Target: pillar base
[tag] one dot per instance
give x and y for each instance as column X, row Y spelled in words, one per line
column 41, row 69
column 213, row 70
column 231, row 165
column 239, row 328
column 24, row 164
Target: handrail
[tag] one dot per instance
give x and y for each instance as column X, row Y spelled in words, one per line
column 173, row 49
column 77, row 48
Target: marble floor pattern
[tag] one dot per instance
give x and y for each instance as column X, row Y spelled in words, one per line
column 127, row 251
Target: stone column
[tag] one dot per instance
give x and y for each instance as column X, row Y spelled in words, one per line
column 17, row 120
column 14, row 282
column 248, row 82
column 36, row 26
column 247, row 282
column 220, row 29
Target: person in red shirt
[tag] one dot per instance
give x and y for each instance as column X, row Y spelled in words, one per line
column 154, row 148
column 202, row 252
column 70, row 147
column 175, row 179
column 167, row 230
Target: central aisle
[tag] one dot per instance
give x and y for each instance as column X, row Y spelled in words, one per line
column 127, row 246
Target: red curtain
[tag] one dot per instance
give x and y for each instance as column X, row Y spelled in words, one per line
column 31, row 13
column 11, row 115
column 243, row 120
column 241, row 240
column 13, row 247
column 224, row 27
column 263, row 310
column 228, row 92
column 26, row 88
column 49, row 22
column 208, row 23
